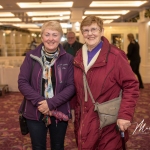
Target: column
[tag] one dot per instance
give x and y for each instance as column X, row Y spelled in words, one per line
column 3, row 43
column 13, row 42
column 76, row 18
column 144, row 38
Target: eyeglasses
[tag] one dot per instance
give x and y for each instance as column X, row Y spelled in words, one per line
column 93, row 31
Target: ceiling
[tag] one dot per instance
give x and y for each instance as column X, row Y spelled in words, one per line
column 76, row 11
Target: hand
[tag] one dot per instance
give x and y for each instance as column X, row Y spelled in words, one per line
column 73, row 115
column 43, row 107
column 123, row 124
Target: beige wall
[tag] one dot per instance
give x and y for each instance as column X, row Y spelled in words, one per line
column 124, row 29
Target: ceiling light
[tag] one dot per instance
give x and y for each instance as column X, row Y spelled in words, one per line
column 107, row 21
column 105, row 17
column 1, row 6
column 66, row 25
column 50, row 18
column 63, row 25
column 117, row 3
column 104, row 21
column 34, row 30
column 10, row 19
column 48, row 13
column 26, row 25
column 121, row 12
column 7, row 31
column 6, row 14
column 45, row 4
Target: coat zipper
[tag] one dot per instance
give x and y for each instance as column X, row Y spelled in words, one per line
column 56, row 81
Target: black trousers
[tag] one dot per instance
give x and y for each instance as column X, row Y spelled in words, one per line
column 38, row 133
column 135, row 67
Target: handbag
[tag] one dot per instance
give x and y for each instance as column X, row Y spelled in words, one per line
column 22, row 120
column 107, row 111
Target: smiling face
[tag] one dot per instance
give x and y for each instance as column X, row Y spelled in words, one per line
column 92, row 35
column 51, row 39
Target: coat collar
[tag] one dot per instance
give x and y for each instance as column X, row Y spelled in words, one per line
column 101, row 60
column 37, row 51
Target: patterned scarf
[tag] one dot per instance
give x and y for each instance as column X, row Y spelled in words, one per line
column 47, row 71
column 47, row 74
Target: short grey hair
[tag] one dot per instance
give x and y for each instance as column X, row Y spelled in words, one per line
column 53, row 25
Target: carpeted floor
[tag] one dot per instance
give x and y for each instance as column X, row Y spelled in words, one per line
column 11, row 139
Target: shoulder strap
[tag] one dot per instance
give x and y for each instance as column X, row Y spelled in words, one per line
column 88, row 88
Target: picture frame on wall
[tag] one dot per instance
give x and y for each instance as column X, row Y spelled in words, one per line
column 117, row 40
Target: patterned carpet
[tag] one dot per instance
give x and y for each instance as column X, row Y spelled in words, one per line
column 11, row 139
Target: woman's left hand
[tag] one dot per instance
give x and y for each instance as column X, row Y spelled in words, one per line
column 123, row 124
column 43, row 107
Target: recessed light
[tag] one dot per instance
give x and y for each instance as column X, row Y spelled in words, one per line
column 121, row 12
column 45, row 4
column 117, row 3
column 48, row 13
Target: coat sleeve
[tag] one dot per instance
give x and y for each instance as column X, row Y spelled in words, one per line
column 24, row 81
column 130, row 86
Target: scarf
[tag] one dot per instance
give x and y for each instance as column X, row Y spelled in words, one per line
column 47, row 71
column 47, row 74
column 87, row 65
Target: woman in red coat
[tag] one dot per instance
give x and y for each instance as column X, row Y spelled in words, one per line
column 107, row 72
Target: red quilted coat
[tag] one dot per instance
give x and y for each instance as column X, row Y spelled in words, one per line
column 109, row 74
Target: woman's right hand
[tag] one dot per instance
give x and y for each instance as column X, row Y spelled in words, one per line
column 43, row 107
column 123, row 124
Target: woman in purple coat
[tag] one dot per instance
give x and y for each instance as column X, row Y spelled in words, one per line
column 47, row 89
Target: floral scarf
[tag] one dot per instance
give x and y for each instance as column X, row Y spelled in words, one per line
column 47, row 71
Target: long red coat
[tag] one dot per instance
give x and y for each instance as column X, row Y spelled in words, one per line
column 110, row 73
